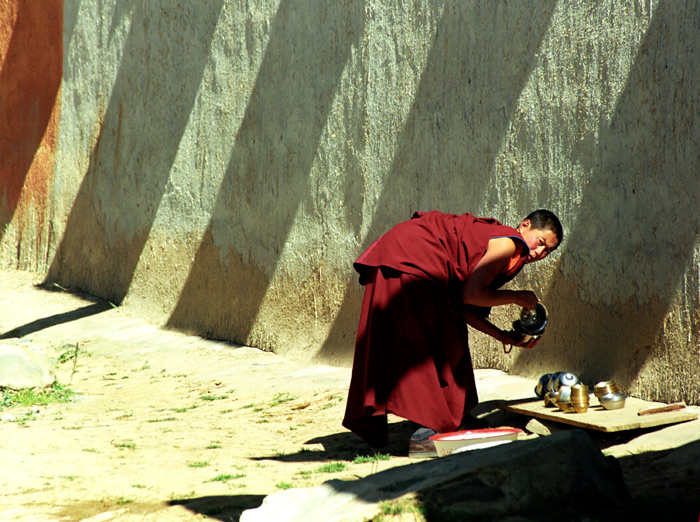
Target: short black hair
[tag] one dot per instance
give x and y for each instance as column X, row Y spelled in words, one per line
column 543, row 219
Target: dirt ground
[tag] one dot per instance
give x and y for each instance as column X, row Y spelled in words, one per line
column 170, row 427
column 164, row 426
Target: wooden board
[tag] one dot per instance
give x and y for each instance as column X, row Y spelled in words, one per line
column 597, row 418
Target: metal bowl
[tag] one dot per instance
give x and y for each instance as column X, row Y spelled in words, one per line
column 550, row 399
column 564, row 394
column 534, row 321
column 612, row 401
column 552, row 380
column 605, row 387
column 566, row 407
column 541, row 388
column 580, row 408
column 565, row 379
column 579, row 391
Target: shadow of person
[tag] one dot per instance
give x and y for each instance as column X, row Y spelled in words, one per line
column 220, row 507
column 348, row 445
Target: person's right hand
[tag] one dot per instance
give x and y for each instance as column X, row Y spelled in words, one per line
column 526, row 299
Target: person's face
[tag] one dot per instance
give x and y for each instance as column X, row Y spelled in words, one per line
column 541, row 242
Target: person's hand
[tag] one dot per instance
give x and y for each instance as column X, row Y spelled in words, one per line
column 526, row 299
column 514, row 338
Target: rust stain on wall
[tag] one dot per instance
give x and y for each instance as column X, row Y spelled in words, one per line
column 31, row 65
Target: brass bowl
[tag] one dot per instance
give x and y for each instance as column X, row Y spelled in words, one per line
column 550, row 399
column 566, row 407
column 580, row 408
column 605, row 387
column 579, row 390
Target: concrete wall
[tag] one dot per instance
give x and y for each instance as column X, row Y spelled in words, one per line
column 220, row 164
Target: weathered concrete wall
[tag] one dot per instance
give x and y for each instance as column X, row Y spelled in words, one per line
column 30, row 78
column 220, row 165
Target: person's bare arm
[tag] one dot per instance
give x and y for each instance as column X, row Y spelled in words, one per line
column 477, row 289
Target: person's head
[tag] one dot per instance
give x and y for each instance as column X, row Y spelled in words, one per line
column 542, row 232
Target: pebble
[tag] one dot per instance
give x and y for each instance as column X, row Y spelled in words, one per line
column 8, row 417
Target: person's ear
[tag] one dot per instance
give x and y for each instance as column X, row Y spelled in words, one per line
column 526, row 224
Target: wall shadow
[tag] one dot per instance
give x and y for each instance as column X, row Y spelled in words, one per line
column 30, row 78
column 56, row 319
column 487, row 52
column 638, row 223
column 159, row 75
column 267, row 178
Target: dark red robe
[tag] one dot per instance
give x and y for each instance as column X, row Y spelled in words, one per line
column 412, row 354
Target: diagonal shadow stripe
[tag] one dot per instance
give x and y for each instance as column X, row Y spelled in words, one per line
column 130, row 165
column 54, row 320
column 268, row 174
column 486, row 75
column 627, row 255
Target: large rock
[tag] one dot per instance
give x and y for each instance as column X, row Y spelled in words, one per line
column 562, row 473
column 23, row 365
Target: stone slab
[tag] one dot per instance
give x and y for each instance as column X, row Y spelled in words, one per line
column 487, row 484
column 597, row 418
column 23, row 365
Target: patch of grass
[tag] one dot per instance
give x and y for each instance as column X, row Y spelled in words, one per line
column 332, row 467
column 122, row 501
column 362, row 459
column 36, row 397
column 284, row 485
column 281, row 398
column 213, row 397
column 226, row 411
column 214, row 445
column 164, row 419
column 124, row 445
column 224, row 477
column 198, row 464
column 401, row 506
column 250, row 405
column 69, row 353
column 90, row 450
column 139, row 486
column 125, row 416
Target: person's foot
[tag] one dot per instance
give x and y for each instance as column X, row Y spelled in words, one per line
column 420, row 446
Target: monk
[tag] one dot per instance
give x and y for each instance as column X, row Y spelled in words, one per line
column 424, row 281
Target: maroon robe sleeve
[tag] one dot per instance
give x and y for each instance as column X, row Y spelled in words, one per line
column 441, row 247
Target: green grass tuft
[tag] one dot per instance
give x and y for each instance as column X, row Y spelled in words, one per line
column 35, row 397
column 362, row 459
column 332, row 467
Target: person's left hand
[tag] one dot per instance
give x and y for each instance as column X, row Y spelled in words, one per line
column 514, row 338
